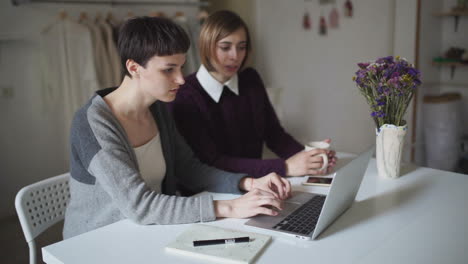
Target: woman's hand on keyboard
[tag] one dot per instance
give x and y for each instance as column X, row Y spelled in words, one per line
column 275, row 184
column 256, row 201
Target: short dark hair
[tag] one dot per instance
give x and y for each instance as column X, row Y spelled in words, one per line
column 216, row 27
column 141, row 38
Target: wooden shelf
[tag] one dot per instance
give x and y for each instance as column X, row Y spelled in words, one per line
column 452, row 84
column 452, row 65
column 449, row 64
column 455, row 14
column 452, row 13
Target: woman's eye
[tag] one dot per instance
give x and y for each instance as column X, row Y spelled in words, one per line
column 224, row 48
column 168, row 70
column 242, row 48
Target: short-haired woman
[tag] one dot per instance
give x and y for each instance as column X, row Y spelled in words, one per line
column 224, row 113
column 127, row 157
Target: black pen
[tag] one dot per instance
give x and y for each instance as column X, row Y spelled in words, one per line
column 198, row 243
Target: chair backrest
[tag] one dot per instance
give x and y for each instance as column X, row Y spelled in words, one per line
column 42, row 204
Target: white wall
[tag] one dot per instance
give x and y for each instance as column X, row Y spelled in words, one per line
column 404, row 45
column 31, row 139
column 319, row 98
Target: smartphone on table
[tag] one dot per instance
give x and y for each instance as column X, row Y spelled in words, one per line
column 318, row 181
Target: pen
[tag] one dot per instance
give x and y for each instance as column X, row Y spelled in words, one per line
column 198, row 243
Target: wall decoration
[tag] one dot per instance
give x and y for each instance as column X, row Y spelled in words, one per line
column 329, row 14
column 348, row 8
column 306, row 22
column 323, row 26
column 333, row 18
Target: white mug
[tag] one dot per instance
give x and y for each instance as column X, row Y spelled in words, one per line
column 319, row 145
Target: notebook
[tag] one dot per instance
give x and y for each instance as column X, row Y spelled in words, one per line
column 226, row 253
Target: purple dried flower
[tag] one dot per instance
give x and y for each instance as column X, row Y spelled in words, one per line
column 363, row 65
column 413, row 72
column 388, row 85
column 386, row 60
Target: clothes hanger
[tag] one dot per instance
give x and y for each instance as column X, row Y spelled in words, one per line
column 130, row 14
column 180, row 16
column 63, row 15
column 157, row 14
column 83, row 17
column 109, row 16
column 98, row 18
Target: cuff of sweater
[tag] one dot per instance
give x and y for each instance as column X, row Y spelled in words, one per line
column 278, row 166
column 207, row 212
column 231, row 184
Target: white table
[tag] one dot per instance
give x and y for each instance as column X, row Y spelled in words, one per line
column 421, row 217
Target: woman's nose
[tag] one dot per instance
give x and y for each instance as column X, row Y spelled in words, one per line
column 180, row 78
column 233, row 54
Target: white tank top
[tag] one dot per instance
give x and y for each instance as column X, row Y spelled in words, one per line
column 152, row 163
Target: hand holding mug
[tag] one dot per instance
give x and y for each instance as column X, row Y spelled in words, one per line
column 316, row 159
column 319, row 145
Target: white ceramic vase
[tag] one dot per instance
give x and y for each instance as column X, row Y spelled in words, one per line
column 390, row 140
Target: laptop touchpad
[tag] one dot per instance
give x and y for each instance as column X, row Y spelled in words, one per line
column 300, row 197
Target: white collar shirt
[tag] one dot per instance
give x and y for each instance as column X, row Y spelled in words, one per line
column 213, row 87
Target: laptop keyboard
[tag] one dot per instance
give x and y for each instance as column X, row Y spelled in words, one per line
column 304, row 219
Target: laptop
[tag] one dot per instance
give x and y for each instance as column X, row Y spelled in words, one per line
column 307, row 215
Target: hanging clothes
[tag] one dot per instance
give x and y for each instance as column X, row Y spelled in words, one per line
column 113, row 57
column 194, row 25
column 192, row 29
column 101, row 60
column 68, row 73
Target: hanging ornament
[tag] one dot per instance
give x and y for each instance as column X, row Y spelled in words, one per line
column 306, row 22
column 333, row 18
column 323, row 26
column 348, row 8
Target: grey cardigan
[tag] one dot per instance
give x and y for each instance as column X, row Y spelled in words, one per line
column 106, row 185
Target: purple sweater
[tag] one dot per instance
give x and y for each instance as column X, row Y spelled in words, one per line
column 230, row 134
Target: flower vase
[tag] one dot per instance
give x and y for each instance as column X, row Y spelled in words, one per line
column 390, row 140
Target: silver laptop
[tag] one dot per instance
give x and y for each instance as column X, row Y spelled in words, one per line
column 307, row 215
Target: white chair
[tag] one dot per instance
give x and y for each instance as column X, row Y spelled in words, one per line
column 40, row 206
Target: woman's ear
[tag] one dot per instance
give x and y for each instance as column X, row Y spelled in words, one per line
column 133, row 68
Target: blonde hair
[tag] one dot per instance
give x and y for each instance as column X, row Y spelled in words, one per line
column 216, row 27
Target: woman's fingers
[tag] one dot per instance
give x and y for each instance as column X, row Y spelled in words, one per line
column 279, row 186
column 266, row 211
column 269, row 202
column 264, row 194
column 315, row 165
column 265, row 198
column 315, row 152
column 315, row 172
column 263, row 202
column 286, row 186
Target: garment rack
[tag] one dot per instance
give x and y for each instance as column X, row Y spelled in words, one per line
column 110, row 2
